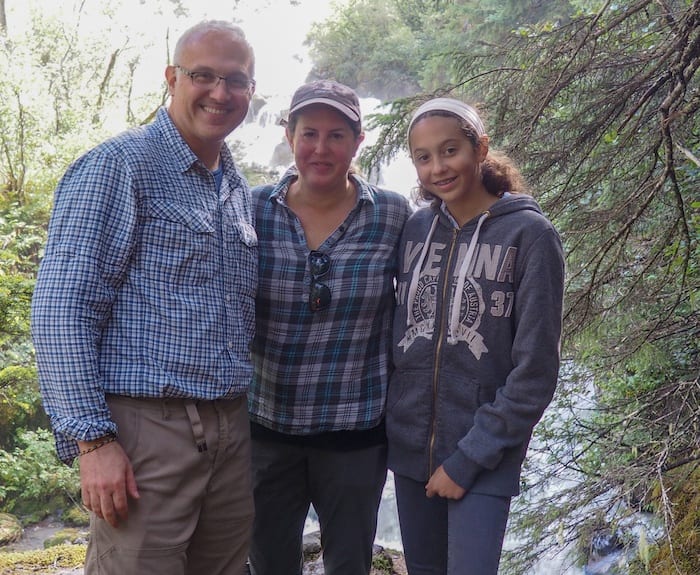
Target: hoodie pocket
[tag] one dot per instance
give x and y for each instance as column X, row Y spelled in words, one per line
column 457, row 402
column 409, row 410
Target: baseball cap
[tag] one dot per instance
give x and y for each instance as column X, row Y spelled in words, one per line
column 330, row 93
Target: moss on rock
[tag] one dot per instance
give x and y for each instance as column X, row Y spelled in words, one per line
column 67, row 536
column 76, row 516
column 684, row 557
column 10, row 529
column 387, row 562
column 42, row 560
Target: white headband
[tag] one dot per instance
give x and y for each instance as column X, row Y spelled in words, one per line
column 456, row 107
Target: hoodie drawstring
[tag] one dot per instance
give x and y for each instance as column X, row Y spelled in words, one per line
column 413, row 287
column 457, row 299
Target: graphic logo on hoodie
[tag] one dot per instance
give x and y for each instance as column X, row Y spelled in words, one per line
column 471, row 309
column 463, row 301
column 421, row 316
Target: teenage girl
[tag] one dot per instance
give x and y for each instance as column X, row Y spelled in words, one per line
column 476, row 343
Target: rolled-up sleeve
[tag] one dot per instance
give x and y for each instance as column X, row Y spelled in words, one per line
column 90, row 239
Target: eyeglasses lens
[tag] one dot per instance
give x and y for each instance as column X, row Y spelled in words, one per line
column 239, row 83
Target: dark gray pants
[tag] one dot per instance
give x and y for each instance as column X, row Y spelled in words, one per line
column 450, row 537
column 345, row 488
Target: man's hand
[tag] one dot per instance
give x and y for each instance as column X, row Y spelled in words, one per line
column 106, row 480
column 440, row 484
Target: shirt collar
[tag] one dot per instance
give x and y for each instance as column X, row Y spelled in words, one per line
column 279, row 193
column 183, row 154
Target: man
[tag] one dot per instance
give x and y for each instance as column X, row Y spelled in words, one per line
column 142, row 316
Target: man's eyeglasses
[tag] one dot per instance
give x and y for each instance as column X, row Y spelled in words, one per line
column 320, row 293
column 238, row 83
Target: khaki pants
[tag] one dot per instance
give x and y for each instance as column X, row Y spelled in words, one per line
column 195, row 512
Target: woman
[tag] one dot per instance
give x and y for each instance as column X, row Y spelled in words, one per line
column 476, row 343
column 328, row 260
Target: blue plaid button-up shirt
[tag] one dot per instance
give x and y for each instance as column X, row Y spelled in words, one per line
column 326, row 370
column 147, row 287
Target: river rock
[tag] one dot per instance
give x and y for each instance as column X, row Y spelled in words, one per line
column 69, row 536
column 10, row 529
column 384, row 561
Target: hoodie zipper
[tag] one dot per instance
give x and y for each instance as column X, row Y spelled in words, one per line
column 438, row 350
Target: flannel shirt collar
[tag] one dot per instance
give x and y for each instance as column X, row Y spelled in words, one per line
column 279, row 192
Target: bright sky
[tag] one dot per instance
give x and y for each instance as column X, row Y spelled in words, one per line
column 275, row 28
column 276, row 31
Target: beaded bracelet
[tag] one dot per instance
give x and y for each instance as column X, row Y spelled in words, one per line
column 102, row 443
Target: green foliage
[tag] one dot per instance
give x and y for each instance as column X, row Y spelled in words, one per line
column 684, row 555
column 15, row 302
column 20, row 403
column 413, row 12
column 368, row 47
column 69, row 80
column 396, row 49
column 22, row 233
column 32, row 479
column 257, row 174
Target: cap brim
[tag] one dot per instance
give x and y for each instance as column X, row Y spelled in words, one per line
column 345, row 110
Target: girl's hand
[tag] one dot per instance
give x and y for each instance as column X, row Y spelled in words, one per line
column 441, row 485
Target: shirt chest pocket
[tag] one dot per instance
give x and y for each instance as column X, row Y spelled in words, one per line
column 178, row 244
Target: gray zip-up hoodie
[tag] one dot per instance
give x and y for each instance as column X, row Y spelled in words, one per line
column 476, row 343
